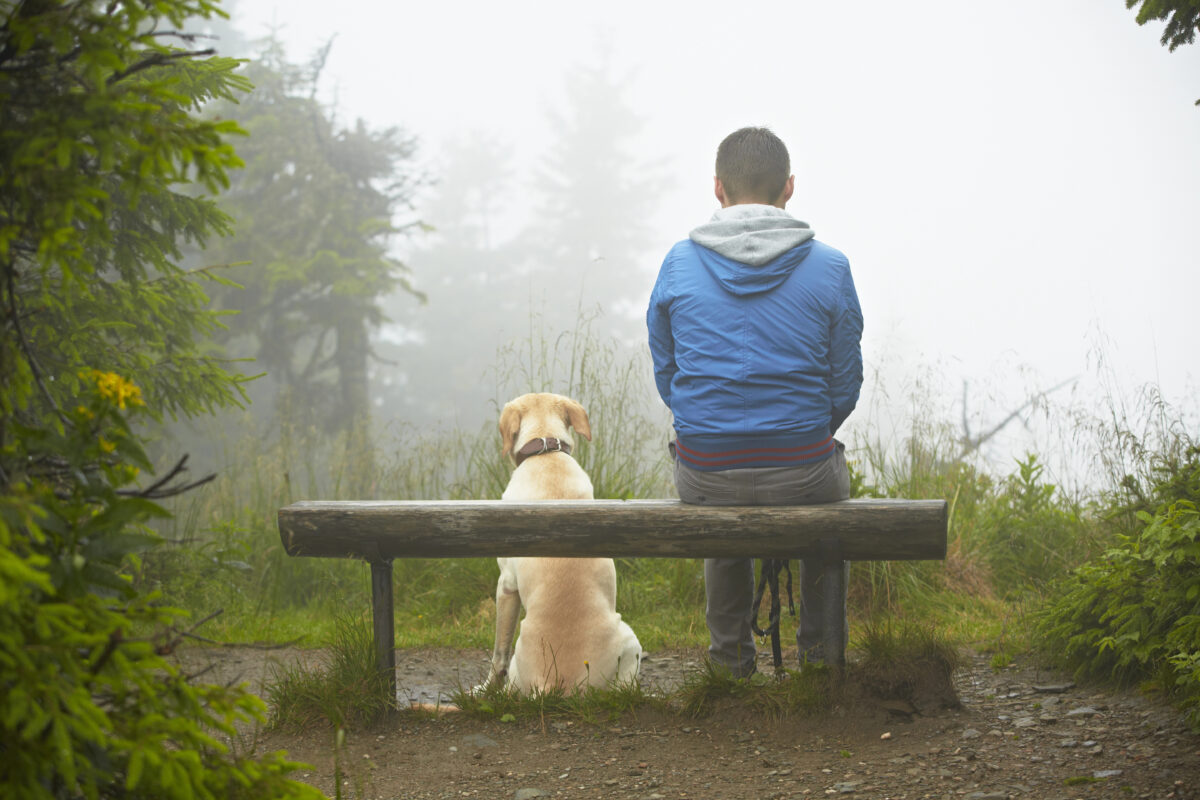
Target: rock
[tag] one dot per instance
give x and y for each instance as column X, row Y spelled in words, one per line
column 971, row 733
column 1054, row 688
column 479, row 740
column 1082, row 711
column 529, row 794
column 1101, row 774
column 1025, row 722
column 847, row 787
column 988, row 796
column 899, row 708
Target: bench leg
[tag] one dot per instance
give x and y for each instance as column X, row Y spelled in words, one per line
column 384, row 622
column 833, row 587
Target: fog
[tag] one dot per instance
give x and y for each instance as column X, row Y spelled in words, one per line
column 1015, row 184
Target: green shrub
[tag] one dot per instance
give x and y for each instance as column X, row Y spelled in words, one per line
column 1031, row 535
column 102, row 165
column 1134, row 614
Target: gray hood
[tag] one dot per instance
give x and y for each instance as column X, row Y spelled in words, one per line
column 752, row 234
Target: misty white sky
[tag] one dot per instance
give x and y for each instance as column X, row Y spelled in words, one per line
column 1017, row 185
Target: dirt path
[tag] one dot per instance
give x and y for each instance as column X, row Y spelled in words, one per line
column 1019, row 733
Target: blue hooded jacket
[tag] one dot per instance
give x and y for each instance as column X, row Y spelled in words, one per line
column 755, row 333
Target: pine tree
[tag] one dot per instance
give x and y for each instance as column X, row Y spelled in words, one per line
column 315, row 206
column 101, row 154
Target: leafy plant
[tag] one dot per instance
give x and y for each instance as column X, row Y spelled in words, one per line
column 1032, row 535
column 347, row 691
column 1134, row 614
column 101, row 333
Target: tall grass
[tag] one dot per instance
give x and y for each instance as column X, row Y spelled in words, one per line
column 1011, row 534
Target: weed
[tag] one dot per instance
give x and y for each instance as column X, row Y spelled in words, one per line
column 348, row 690
column 592, row 704
column 797, row 692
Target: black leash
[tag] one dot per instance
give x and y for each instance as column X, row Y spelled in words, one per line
column 769, row 576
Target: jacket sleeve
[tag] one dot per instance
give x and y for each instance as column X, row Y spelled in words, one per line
column 845, row 354
column 662, row 342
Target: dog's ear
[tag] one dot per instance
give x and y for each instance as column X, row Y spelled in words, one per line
column 579, row 419
column 510, row 426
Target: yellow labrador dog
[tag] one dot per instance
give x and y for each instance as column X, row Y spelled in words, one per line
column 572, row 635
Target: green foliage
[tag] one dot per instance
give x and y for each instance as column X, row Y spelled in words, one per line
column 1183, row 18
column 347, row 691
column 233, row 558
column 907, row 660
column 897, row 660
column 315, row 205
column 1134, row 614
column 101, row 332
column 96, row 129
column 594, row 704
column 799, row 692
column 1031, row 535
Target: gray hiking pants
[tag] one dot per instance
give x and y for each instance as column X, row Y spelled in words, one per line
column 729, row 582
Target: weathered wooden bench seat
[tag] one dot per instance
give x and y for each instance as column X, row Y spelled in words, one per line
column 379, row 532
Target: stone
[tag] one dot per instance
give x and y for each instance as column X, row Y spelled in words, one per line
column 1101, row 774
column 1082, row 711
column 529, row 794
column 1054, row 688
column 1025, row 722
column 479, row 740
column 971, row 733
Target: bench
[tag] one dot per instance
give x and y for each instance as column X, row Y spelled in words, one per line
column 381, row 531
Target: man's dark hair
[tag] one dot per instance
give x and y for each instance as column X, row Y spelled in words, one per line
column 753, row 164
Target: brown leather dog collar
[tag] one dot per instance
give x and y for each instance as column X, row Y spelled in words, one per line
column 543, row 444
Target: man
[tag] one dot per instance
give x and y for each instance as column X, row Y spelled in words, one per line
column 755, row 333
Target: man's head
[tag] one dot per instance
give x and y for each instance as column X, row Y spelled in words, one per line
column 753, row 167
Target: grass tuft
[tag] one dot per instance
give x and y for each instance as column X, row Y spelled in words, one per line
column 348, row 691
column 903, row 660
column 591, row 705
column 802, row 691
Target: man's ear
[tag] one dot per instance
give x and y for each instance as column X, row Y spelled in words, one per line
column 788, row 188
column 719, row 191
column 579, row 419
column 510, row 426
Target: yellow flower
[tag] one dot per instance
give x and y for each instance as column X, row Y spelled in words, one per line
column 114, row 388
column 106, row 445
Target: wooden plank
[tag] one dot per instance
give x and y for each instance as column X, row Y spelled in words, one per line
column 855, row 530
column 383, row 622
column 833, row 614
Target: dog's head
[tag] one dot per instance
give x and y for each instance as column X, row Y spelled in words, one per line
column 541, row 414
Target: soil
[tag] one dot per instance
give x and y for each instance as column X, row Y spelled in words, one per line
column 1018, row 732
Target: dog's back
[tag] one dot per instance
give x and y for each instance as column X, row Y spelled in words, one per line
column 572, row 634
